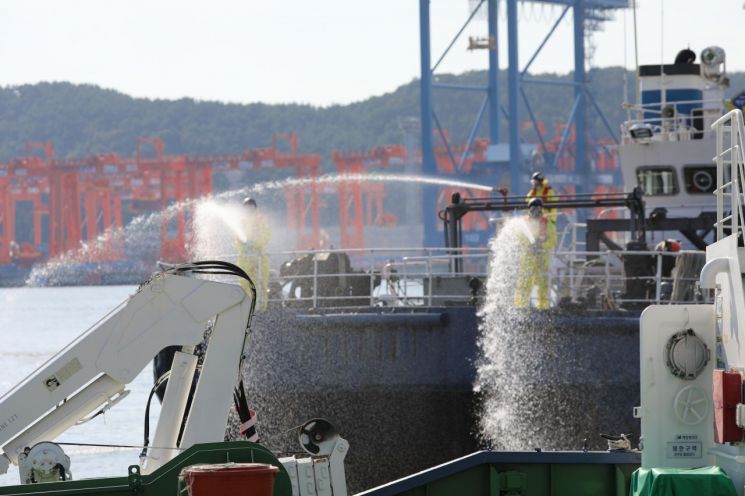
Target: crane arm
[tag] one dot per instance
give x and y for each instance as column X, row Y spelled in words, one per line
column 93, row 370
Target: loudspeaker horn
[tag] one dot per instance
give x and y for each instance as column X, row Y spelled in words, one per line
column 318, row 437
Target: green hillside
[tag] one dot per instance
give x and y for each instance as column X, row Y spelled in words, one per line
column 84, row 119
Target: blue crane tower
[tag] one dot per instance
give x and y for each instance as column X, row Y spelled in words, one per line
column 587, row 14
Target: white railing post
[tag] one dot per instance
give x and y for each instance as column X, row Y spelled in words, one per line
column 371, row 273
column 315, row 282
column 550, row 278
column 738, row 164
column 429, row 280
column 720, row 183
column 572, row 262
column 406, row 281
column 607, row 277
column 658, row 280
column 735, row 179
column 732, row 157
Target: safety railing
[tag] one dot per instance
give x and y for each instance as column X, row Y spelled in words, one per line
column 673, row 121
column 370, row 277
column 730, row 173
column 424, row 278
column 622, row 279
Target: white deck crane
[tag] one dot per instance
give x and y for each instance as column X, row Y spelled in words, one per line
column 90, row 374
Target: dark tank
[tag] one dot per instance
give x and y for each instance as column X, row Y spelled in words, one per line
column 399, row 384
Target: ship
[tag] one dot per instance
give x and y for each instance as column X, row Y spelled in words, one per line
column 369, row 335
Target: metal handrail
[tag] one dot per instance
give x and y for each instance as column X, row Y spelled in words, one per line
column 655, row 107
column 407, row 281
column 729, row 155
column 676, row 127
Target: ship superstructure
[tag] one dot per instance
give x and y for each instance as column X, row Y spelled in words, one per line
column 668, row 144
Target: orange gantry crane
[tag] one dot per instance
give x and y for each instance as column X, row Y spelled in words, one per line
column 354, row 213
column 82, row 199
column 22, row 180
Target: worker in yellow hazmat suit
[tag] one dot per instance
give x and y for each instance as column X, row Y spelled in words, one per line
column 252, row 252
column 539, row 240
column 539, row 188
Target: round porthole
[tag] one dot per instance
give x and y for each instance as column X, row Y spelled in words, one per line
column 703, row 180
column 686, row 355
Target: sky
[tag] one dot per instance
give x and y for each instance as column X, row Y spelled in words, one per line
column 320, row 52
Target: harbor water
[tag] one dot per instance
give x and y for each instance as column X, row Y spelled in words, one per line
column 36, row 323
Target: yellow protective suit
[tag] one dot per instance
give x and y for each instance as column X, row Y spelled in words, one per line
column 252, row 256
column 535, row 262
column 546, row 194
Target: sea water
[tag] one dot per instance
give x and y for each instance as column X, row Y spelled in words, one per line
column 35, row 323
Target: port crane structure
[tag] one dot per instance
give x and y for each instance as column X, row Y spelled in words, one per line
column 78, row 200
column 587, row 14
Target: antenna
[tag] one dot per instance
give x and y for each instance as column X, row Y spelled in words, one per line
column 636, row 54
column 663, row 88
column 626, row 104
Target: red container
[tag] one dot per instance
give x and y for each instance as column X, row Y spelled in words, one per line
column 234, row 479
column 727, row 390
